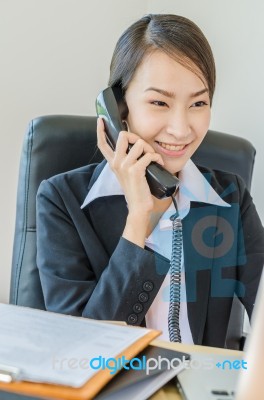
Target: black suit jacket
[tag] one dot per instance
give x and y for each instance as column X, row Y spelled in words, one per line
column 88, row 269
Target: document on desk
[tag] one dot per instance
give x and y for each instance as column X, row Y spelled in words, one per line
column 59, row 349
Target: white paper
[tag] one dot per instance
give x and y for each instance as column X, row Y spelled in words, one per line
column 54, row 348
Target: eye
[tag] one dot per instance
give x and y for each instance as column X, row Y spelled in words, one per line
column 199, row 104
column 158, row 103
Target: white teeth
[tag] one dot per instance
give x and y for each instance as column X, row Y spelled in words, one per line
column 171, row 146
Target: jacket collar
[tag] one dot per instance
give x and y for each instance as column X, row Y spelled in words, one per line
column 97, row 171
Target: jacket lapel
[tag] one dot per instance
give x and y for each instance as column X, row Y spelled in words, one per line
column 108, row 218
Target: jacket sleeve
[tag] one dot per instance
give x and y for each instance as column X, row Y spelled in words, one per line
column 249, row 273
column 77, row 275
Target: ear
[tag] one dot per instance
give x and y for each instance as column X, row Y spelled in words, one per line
column 126, row 127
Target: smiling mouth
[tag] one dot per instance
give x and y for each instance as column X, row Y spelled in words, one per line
column 172, row 147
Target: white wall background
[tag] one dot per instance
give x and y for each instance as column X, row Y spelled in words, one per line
column 54, row 59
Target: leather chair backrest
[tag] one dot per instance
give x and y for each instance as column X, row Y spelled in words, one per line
column 55, row 144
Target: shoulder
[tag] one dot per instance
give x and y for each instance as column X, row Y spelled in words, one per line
column 74, row 183
column 229, row 186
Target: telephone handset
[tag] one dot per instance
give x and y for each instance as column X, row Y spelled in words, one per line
column 111, row 107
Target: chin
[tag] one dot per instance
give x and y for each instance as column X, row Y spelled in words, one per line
column 174, row 167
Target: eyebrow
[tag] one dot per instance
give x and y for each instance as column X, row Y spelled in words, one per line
column 172, row 95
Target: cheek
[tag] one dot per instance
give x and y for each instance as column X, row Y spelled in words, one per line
column 142, row 124
column 202, row 125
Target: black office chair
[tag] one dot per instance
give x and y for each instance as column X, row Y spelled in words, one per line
column 55, row 144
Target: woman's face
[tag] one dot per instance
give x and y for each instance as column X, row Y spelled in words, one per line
column 169, row 107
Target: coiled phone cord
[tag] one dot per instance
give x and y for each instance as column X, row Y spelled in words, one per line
column 175, row 277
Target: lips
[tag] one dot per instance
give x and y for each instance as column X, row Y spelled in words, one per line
column 171, row 150
column 172, row 147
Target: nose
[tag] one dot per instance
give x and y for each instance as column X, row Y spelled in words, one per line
column 178, row 124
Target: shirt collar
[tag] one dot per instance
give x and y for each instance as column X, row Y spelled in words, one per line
column 193, row 187
column 106, row 184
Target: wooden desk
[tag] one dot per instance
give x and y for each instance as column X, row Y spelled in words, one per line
column 170, row 392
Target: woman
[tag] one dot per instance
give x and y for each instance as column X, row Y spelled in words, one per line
column 110, row 259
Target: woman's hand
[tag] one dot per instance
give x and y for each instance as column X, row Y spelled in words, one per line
column 130, row 169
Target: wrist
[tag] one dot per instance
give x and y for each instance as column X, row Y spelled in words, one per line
column 136, row 228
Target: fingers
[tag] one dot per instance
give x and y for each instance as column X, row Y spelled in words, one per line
column 124, row 139
column 144, row 161
column 141, row 152
column 139, row 148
